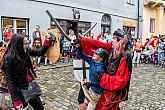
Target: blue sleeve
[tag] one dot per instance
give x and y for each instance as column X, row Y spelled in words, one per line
column 84, row 57
column 99, row 70
column 94, row 84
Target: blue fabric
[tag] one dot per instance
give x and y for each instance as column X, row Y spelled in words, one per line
column 164, row 47
column 66, row 46
column 161, row 56
column 95, row 67
column 161, row 47
column 100, row 51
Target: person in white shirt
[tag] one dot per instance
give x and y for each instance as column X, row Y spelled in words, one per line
column 108, row 36
column 103, row 38
column 72, row 37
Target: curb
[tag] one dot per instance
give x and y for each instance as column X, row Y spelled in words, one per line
column 54, row 66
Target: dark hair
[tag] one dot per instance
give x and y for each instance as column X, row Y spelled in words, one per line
column 38, row 26
column 1, row 43
column 161, row 39
column 16, row 51
column 118, row 34
column 48, row 29
column 147, row 39
column 138, row 39
column 16, row 45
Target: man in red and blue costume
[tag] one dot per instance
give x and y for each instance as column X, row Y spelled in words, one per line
column 116, row 80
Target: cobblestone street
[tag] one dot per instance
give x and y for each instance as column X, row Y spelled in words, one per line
column 60, row 88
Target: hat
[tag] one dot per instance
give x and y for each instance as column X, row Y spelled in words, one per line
column 100, row 52
column 118, row 34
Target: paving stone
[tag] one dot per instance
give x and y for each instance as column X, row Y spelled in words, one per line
column 60, row 88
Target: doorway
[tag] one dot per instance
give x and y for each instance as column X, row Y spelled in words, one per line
column 130, row 31
column 76, row 26
column 72, row 25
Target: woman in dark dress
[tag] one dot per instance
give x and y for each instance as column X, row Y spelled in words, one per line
column 18, row 70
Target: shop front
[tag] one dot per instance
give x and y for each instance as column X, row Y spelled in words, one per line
column 76, row 26
column 129, row 28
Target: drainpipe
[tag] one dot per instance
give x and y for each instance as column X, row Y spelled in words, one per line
column 138, row 20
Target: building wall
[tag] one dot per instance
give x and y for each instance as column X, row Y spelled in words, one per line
column 148, row 13
column 159, row 16
column 164, row 24
column 91, row 11
column 105, row 6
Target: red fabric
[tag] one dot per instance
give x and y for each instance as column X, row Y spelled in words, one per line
column 17, row 103
column 147, row 44
column 8, row 35
column 105, row 101
column 98, row 38
column 89, row 44
column 114, row 84
column 154, row 43
column 47, row 43
column 118, row 81
column 30, row 78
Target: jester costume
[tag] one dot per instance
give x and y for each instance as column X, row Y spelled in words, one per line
column 115, row 81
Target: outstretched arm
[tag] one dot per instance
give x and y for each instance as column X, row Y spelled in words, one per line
column 41, row 51
column 83, row 57
column 89, row 44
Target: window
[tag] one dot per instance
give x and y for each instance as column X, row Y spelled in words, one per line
column 21, row 25
column 83, row 27
column 105, row 23
column 152, row 25
column 17, row 24
column 130, row 2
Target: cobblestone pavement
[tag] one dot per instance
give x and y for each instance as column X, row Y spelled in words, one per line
column 60, row 88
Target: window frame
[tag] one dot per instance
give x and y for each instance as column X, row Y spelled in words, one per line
column 14, row 24
column 152, row 25
column 131, row 2
column 104, row 25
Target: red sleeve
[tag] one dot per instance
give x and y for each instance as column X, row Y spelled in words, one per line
column 117, row 81
column 152, row 43
column 17, row 103
column 47, row 43
column 89, row 44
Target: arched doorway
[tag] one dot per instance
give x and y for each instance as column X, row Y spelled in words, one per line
column 105, row 23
